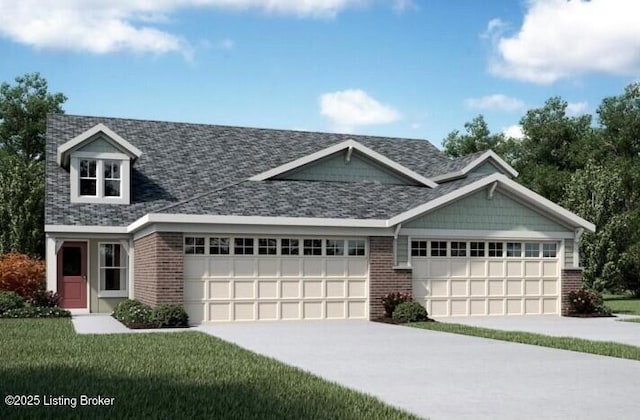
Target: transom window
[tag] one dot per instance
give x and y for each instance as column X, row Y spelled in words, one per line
column 458, row 249
column 356, row 247
column 476, row 249
column 549, row 250
column 219, row 246
column 194, row 245
column 267, row 246
column 532, row 250
column 334, row 247
column 438, row 248
column 495, row 249
column 243, row 246
column 113, row 270
column 312, row 246
column 418, row 248
column 514, row 249
column 290, row 247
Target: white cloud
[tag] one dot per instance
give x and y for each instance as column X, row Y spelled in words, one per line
column 562, row 39
column 577, row 108
column 351, row 108
column 496, row 101
column 513, row 131
column 495, row 28
column 106, row 26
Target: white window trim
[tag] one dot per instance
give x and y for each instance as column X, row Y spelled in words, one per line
column 125, row 176
column 113, row 293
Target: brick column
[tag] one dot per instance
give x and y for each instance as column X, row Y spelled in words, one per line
column 570, row 280
column 383, row 278
column 159, row 269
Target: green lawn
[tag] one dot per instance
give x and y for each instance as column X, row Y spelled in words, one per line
column 623, row 304
column 623, row 351
column 163, row 375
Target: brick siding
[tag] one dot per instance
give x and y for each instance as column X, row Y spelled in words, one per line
column 383, row 278
column 571, row 279
column 159, row 269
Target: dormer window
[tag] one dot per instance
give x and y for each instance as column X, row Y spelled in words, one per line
column 99, row 163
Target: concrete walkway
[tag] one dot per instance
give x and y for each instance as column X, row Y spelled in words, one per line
column 449, row 376
column 599, row 329
column 106, row 324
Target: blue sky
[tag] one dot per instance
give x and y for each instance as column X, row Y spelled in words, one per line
column 401, row 68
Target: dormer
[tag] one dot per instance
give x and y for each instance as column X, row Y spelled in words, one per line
column 99, row 163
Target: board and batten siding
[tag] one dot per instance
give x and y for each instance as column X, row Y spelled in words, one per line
column 568, row 252
column 402, row 250
column 335, row 168
column 477, row 212
column 99, row 145
column 486, row 168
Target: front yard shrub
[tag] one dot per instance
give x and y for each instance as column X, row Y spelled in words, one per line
column 586, row 302
column 390, row 301
column 167, row 316
column 133, row 314
column 36, row 312
column 10, row 301
column 21, row 274
column 410, row 312
column 44, row 299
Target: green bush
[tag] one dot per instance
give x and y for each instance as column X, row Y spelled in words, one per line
column 44, row 299
column 390, row 301
column 10, row 301
column 587, row 302
column 133, row 314
column 35, row 312
column 410, row 312
column 165, row 316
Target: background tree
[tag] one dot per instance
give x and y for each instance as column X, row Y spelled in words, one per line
column 23, row 117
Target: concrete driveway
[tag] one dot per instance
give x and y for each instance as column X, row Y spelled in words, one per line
column 448, row 376
column 599, row 329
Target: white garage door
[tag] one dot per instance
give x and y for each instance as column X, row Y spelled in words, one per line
column 255, row 278
column 457, row 278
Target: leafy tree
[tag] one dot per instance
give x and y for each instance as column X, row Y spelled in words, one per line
column 23, row 117
column 478, row 138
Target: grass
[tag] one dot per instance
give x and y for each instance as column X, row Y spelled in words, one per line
column 163, row 375
column 620, row 304
column 623, row 351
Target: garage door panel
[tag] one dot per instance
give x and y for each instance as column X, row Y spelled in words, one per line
column 312, row 289
column 313, row 268
column 532, row 287
column 514, row 268
column 289, row 310
column 550, row 287
column 268, row 267
column 219, row 312
column 336, row 267
column 459, row 307
column 496, row 268
column 243, row 311
column 514, row 287
column 439, row 288
column 477, row 307
column 194, row 290
column 514, row 306
column 195, row 268
column 312, row 310
column 220, row 289
column 478, row 268
column 549, row 269
column 459, row 288
column 290, row 267
column 496, row 306
column 290, row 289
column 335, row 310
column 244, row 267
column 267, row 311
column 358, row 267
column 195, row 310
column 439, row 307
column 438, row 268
column 336, row 288
column 420, row 288
column 532, row 269
column 357, row 309
column 357, row 288
column 478, row 287
column 532, row 306
column 496, row 287
column 550, row 306
column 267, row 289
column 459, row 268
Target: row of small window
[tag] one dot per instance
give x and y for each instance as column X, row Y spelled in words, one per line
column 482, row 249
column 197, row 245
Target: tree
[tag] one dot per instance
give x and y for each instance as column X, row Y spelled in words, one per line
column 23, row 115
column 23, row 118
column 478, row 138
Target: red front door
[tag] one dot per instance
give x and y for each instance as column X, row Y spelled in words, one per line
column 72, row 275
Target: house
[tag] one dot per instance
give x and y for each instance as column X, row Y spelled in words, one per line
column 241, row 224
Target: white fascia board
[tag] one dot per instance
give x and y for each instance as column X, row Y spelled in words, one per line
column 342, row 146
column 84, row 229
column 489, row 154
column 254, row 220
column 99, row 128
column 484, row 234
column 512, row 186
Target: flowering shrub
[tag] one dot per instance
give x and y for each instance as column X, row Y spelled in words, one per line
column 133, row 314
column 10, row 301
column 36, row 312
column 44, row 299
column 586, row 302
column 391, row 300
column 21, row 274
column 410, row 312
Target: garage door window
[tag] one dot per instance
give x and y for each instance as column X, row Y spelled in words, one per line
column 312, row 246
column 267, row 246
column 458, row 249
column 548, row 250
column 438, row 248
column 514, row 249
column 532, row 250
column 219, row 246
column 477, row 249
column 194, row 245
column 334, row 247
column 418, row 248
column 290, row 247
column 495, row 249
column 356, row 247
column 243, row 246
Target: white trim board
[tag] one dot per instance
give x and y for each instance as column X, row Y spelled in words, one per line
column 488, row 155
column 345, row 145
column 85, row 229
column 485, row 234
column 62, row 156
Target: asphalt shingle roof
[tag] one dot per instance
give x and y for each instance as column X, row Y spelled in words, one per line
column 209, row 164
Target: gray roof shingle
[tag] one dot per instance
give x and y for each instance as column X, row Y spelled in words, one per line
column 183, row 161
